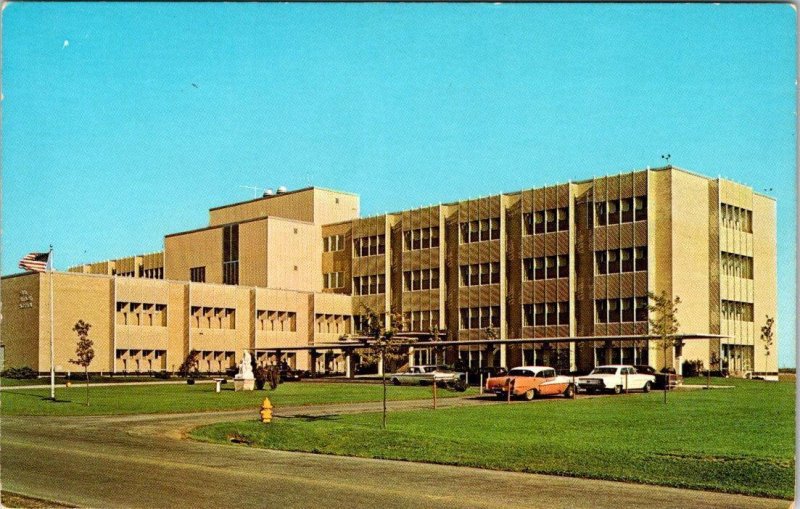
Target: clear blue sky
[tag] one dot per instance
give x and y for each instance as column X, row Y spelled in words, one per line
column 107, row 145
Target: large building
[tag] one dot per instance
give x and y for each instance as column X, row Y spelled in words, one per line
column 288, row 272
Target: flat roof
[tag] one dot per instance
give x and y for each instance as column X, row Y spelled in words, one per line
column 278, row 195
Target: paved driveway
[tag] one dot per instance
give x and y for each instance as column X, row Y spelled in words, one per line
column 144, row 461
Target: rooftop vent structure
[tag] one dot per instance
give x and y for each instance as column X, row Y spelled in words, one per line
column 282, row 189
column 268, row 192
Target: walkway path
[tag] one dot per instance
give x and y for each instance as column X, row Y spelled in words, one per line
column 145, row 461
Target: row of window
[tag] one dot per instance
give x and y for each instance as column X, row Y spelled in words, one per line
column 736, row 218
column 734, row 310
column 629, row 309
column 155, row 273
column 480, row 230
column 625, row 210
column 197, row 274
column 282, row 321
column 142, row 314
column 423, row 279
column 421, row 321
column 615, row 261
column 213, row 318
column 333, row 280
column 421, row 238
column 333, row 243
column 547, row 313
column 736, row 265
column 369, row 246
column 480, row 318
column 332, row 324
column 479, row 274
column 545, row 267
column 546, row 221
column 373, row 284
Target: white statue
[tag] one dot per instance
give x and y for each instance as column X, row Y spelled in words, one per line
column 245, row 368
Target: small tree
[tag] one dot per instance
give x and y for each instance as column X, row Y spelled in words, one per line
column 384, row 345
column 191, row 365
column 84, row 352
column 664, row 325
column 767, row 336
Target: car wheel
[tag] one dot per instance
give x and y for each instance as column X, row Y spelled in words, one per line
column 646, row 387
column 569, row 392
column 617, row 389
column 395, row 381
column 530, row 395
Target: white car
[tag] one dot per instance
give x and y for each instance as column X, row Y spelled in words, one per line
column 615, row 378
column 425, row 375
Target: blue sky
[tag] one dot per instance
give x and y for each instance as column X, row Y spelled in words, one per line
column 107, row 145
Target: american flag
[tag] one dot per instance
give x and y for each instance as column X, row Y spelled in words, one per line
column 36, row 262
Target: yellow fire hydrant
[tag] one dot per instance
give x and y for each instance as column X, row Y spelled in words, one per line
column 266, row 411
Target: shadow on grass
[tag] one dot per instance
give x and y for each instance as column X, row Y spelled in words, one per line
column 314, row 418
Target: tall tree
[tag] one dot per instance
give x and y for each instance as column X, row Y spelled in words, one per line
column 767, row 336
column 664, row 324
column 382, row 343
column 84, row 351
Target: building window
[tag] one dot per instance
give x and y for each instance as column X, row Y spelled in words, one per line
column 230, row 254
column 373, row 284
column 736, row 265
column 369, row 246
column 737, row 311
column 546, row 267
column 480, row 318
column 640, row 208
column 546, row 221
column 421, row 238
column 333, row 280
column 332, row 324
column 480, row 230
column 421, row 321
column 545, row 313
column 276, row 321
column 625, row 210
column 155, row 273
column 627, row 309
column 479, row 274
column 203, row 317
column 143, row 314
column 422, row 279
column 736, row 218
column 640, row 258
column 621, row 260
column 333, row 243
column 197, row 274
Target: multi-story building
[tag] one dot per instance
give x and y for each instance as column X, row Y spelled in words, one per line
column 289, row 274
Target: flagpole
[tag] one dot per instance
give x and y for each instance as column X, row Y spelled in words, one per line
column 52, row 342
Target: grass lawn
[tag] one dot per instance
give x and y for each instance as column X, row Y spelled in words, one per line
column 14, row 382
column 737, row 440
column 168, row 398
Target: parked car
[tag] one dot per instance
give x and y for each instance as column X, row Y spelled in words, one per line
column 287, row 374
column 426, row 375
column 530, row 382
column 615, row 378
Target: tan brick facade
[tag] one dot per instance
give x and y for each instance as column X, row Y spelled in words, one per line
column 298, row 268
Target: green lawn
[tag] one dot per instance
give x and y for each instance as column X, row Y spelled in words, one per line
column 15, row 382
column 167, row 398
column 737, row 440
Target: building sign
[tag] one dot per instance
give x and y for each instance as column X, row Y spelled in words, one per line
column 25, row 299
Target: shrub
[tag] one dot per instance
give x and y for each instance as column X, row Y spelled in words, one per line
column 163, row 375
column 693, row 368
column 23, row 373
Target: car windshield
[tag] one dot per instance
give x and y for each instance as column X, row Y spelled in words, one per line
column 428, row 369
column 604, row 371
